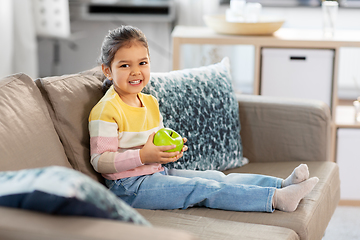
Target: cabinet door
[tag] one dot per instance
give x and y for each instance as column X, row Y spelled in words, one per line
column 297, row 73
column 348, row 159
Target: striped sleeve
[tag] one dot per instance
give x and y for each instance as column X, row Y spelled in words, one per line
column 104, row 142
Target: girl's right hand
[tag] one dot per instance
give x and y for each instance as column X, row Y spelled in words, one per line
column 151, row 153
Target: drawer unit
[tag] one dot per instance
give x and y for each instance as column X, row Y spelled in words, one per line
column 297, row 73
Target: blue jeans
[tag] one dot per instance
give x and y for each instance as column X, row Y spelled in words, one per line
column 173, row 189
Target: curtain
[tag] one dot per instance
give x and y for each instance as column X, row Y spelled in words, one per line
column 18, row 46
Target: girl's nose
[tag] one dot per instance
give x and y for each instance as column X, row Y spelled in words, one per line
column 134, row 73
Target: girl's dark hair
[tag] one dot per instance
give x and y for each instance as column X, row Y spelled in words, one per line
column 117, row 38
column 122, row 36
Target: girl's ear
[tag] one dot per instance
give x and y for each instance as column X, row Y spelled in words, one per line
column 107, row 72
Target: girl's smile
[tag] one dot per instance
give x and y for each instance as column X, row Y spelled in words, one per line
column 135, row 82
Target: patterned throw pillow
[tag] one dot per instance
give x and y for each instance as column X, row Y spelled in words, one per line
column 63, row 191
column 200, row 105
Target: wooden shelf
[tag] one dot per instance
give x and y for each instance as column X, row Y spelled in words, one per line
column 284, row 37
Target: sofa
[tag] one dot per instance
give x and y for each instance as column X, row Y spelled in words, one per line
column 44, row 123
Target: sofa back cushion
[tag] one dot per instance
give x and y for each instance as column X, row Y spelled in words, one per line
column 28, row 138
column 70, row 99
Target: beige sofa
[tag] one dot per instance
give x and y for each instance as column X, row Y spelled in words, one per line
column 44, row 123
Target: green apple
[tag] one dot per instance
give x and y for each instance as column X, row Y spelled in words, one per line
column 167, row 136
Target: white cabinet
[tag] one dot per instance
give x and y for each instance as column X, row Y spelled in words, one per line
column 348, row 159
column 297, row 73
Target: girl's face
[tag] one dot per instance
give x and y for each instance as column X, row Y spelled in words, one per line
column 129, row 70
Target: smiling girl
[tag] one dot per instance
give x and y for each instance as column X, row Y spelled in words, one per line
column 122, row 126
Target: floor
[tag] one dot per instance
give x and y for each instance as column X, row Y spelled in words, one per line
column 344, row 224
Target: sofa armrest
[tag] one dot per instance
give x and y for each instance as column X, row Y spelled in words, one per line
column 23, row 224
column 282, row 129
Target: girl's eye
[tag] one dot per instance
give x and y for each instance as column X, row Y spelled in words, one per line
column 124, row 65
column 143, row 63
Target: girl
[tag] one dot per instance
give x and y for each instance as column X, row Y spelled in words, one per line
column 122, row 127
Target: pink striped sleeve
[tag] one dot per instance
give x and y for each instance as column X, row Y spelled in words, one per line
column 106, row 159
column 99, row 145
column 127, row 160
column 104, row 144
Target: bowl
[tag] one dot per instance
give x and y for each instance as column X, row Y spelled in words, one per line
column 266, row 25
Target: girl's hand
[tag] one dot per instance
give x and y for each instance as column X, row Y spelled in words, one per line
column 185, row 148
column 151, row 153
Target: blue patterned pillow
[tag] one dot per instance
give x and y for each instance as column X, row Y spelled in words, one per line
column 200, row 104
column 63, row 191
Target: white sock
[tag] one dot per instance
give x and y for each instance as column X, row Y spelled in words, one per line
column 287, row 199
column 300, row 173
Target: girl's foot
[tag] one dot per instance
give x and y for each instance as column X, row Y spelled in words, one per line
column 287, row 199
column 300, row 174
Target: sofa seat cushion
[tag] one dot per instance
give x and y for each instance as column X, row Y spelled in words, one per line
column 314, row 212
column 215, row 229
column 28, row 137
column 63, row 191
column 18, row 224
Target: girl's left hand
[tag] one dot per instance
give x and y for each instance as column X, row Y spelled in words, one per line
column 177, row 157
column 185, row 148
